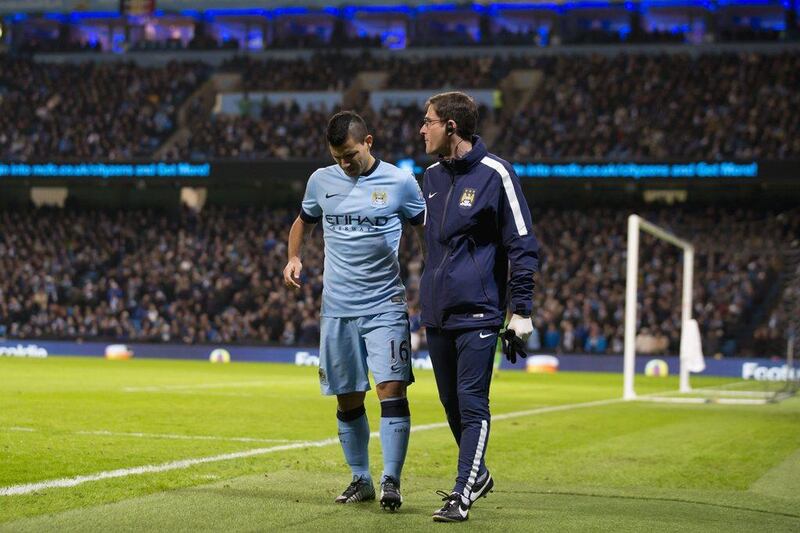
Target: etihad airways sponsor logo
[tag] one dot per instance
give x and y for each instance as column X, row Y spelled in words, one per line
column 356, row 222
column 27, row 350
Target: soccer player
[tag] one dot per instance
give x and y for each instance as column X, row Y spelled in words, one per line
column 481, row 256
column 362, row 203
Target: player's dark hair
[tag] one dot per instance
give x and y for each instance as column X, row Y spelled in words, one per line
column 458, row 107
column 346, row 124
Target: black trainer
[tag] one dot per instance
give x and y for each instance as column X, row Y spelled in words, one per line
column 453, row 510
column 391, row 500
column 481, row 488
column 359, row 490
column 457, row 506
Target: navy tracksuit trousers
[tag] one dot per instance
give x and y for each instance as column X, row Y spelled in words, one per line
column 462, row 363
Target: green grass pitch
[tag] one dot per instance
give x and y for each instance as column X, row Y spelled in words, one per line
column 607, row 466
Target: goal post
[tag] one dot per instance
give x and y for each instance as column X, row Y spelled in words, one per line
column 636, row 224
column 690, row 358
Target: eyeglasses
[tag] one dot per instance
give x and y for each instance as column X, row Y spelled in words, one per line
column 428, row 121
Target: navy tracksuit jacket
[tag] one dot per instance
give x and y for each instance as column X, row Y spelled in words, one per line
column 477, row 226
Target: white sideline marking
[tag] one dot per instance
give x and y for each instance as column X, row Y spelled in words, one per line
column 224, row 385
column 208, row 393
column 28, row 488
column 106, row 433
column 164, row 467
column 180, row 437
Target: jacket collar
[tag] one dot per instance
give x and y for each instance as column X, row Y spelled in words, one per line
column 464, row 164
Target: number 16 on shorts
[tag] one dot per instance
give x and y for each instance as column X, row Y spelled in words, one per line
column 399, row 353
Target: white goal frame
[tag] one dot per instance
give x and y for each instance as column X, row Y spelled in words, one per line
column 687, row 394
column 635, row 225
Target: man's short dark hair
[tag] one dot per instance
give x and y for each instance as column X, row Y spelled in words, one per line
column 458, row 107
column 346, row 124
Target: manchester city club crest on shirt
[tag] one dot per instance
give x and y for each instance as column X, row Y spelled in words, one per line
column 379, row 199
column 467, row 198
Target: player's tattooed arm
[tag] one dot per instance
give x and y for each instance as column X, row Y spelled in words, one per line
column 294, row 266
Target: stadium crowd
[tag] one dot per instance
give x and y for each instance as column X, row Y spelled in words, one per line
column 284, row 130
column 280, row 130
column 318, row 72
column 215, row 276
column 110, row 112
column 335, row 71
column 660, row 106
column 581, row 300
column 615, row 108
column 783, row 321
column 475, row 72
column 142, row 275
column 619, row 107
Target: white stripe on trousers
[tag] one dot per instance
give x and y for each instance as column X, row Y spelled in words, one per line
column 476, row 462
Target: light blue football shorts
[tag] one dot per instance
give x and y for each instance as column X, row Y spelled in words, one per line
column 352, row 346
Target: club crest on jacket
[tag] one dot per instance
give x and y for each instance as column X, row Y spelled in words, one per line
column 467, row 198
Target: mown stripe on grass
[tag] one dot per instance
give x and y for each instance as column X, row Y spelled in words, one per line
column 16, row 490
column 782, row 480
column 648, row 498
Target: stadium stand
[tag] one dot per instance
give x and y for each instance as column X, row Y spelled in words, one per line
column 664, row 106
column 616, row 108
column 151, row 276
column 279, row 131
column 322, row 71
column 612, row 107
column 214, row 276
column 110, row 112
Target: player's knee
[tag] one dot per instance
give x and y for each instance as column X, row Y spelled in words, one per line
column 391, row 389
column 348, row 402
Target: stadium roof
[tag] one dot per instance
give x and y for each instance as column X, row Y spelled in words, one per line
column 112, row 6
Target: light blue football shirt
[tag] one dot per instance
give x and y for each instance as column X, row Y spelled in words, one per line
column 362, row 221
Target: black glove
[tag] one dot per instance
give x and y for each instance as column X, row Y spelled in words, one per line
column 513, row 346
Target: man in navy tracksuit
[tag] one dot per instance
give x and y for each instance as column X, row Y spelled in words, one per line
column 477, row 229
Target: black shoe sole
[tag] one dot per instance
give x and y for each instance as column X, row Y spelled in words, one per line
column 439, row 518
column 390, row 505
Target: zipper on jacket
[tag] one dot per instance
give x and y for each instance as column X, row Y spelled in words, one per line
column 447, row 202
column 437, row 272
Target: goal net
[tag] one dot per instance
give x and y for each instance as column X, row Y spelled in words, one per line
column 781, row 383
